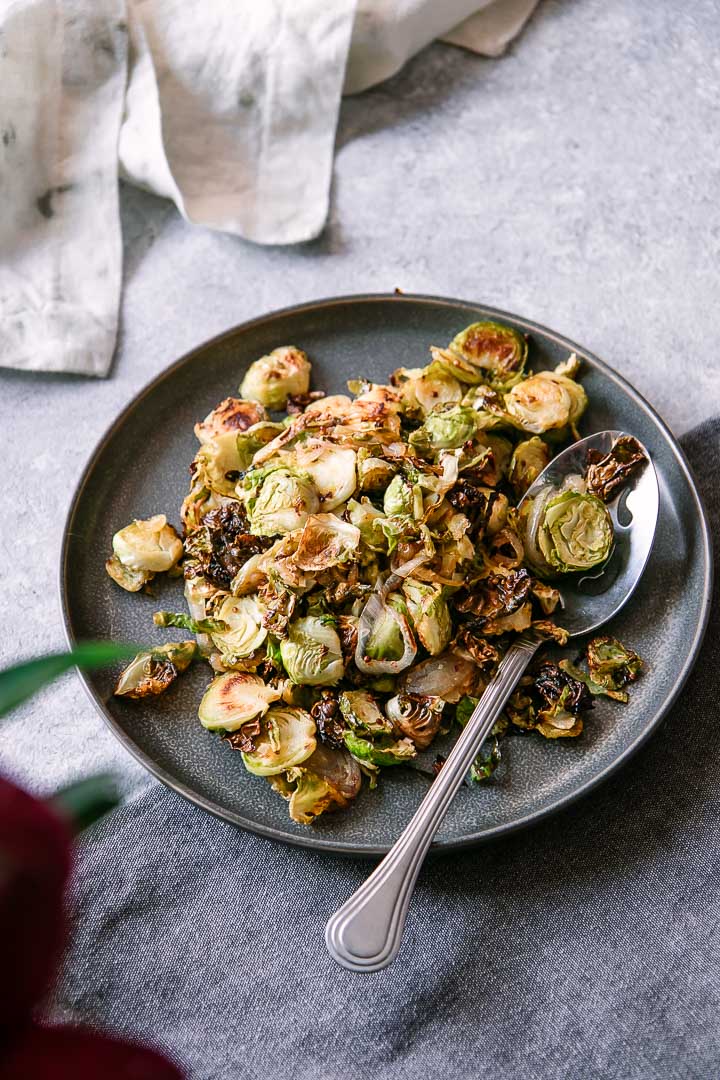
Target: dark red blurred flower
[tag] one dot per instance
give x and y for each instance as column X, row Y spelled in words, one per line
column 35, row 859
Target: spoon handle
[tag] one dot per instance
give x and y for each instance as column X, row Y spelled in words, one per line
column 365, row 933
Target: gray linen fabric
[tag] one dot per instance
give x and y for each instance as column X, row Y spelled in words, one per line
column 586, row 947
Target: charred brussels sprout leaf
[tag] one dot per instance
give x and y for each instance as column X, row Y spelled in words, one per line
column 328, row 719
column 486, row 762
column 563, row 698
column 611, row 664
column 596, row 689
column 152, row 671
column 606, row 474
column 271, row 380
column 186, row 622
column 382, row 750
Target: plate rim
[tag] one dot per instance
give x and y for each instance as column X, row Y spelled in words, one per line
column 313, row 841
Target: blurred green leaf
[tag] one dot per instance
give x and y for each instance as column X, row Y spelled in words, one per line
column 23, row 680
column 84, row 801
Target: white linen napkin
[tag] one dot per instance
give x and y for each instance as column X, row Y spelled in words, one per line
column 229, row 109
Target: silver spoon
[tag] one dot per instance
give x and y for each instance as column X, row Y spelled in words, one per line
column 365, row 933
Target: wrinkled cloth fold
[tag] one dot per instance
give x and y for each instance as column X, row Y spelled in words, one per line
column 228, row 109
column 588, row 946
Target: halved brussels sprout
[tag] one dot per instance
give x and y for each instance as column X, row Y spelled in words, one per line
column 233, row 699
column 153, row 670
column 529, row 459
column 385, row 642
column 421, row 389
column 219, row 463
column 416, row 717
column 231, row 416
column 367, row 518
column 374, row 473
column 569, row 531
column 490, row 347
column 381, row 751
column 311, row 653
column 278, row 501
column 130, row 580
column 447, row 427
column 244, row 618
column 274, row 378
column 327, row 780
column 250, row 442
column 399, row 498
column 287, row 738
column 326, row 541
column 331, row 469
column 429, row 614
column 146, row 547
column 546, row 401
column 361, row 712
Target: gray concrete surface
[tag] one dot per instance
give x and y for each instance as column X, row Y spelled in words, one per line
column 575, row 181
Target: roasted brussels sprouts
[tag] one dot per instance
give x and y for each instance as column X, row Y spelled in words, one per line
column 611, row 664
column 399, row 498
column 357, row 566
column 243, row 617
column 152, row 671
column 491, row 347
column 271, row 380
column 374, row 473
column 383, row 750
column 361, row 713
column 566, row 531
column 429, row 614
column 546, row 401
column 233, row 699
column 231, row 416
column 607, row 473
column 278, row 501
column 287, row 738
column 447, row 427
column 326, row 541
column 143, row 549
column 528, row 460
column 564, row 698
column 330, row 468
column 311, row 653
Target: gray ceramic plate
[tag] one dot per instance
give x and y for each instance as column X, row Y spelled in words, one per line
column 141, row 468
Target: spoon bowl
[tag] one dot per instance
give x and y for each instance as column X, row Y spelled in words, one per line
column 588, row 600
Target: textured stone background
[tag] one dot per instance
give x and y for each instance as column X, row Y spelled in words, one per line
column 575, row 181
